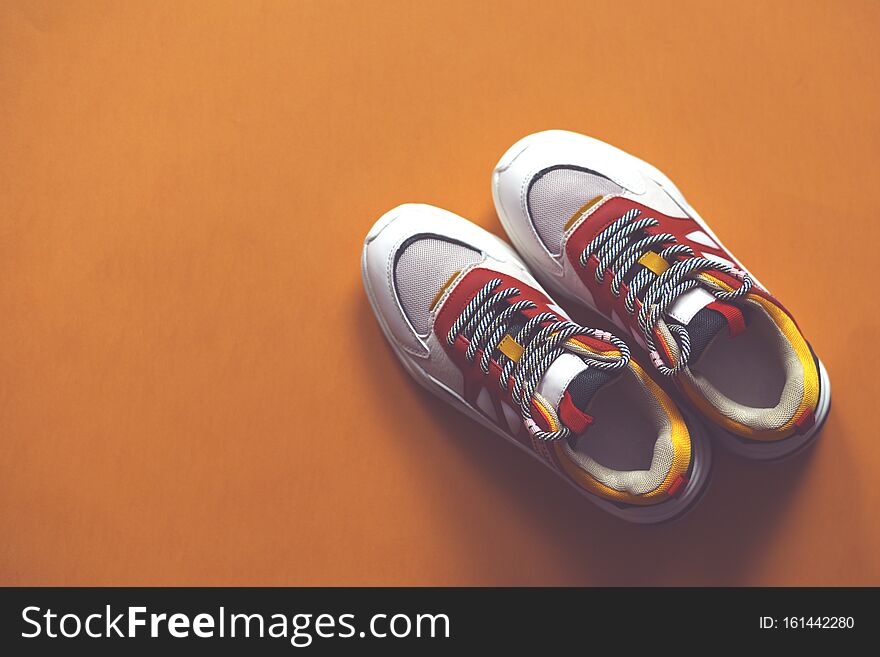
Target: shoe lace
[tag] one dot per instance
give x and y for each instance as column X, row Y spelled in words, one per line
column 614, row 252
column 486, row 320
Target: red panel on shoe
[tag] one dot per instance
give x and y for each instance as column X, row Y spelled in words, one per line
column 805, row 422
column 609, row 212
column 573, row 417
column 736, row 321
column 677, row 486
column 462, row 292
column 470, row 283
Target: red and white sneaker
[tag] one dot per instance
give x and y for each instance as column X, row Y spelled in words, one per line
column 604, row 228
column 470, row 323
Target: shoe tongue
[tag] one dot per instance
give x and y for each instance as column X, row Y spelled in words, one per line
column 569, row 384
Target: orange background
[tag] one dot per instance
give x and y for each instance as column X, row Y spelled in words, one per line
column 193, row 389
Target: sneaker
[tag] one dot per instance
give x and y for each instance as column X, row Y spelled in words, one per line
column 610, row 231
column 470, row 323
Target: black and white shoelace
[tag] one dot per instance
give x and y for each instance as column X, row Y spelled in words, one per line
column 486, row 320
column 614, row 252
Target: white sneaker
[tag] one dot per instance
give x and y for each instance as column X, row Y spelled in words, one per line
column 608, row 230
column 470, row 323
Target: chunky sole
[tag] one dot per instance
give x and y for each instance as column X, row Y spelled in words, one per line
column 701, row 450
column 751, row 449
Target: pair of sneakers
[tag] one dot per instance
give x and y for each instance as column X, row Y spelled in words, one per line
column 472, row 320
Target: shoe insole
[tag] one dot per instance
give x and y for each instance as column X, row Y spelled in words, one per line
column 623, row 433
column 747, row 369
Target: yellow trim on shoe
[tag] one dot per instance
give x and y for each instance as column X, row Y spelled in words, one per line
column 510, row 348
column 442, row 290
column 583, row 209
column 653, row 262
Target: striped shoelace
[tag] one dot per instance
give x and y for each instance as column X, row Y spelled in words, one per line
column 486, row 320
column 614, row 252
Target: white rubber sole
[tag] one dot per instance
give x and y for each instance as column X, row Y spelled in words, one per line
column 751, row 449
column 701, row 451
